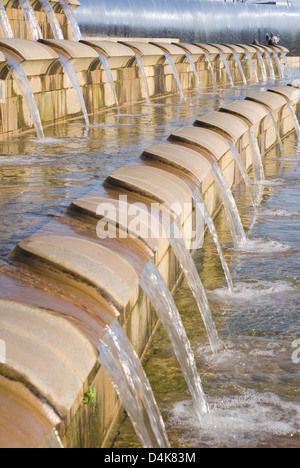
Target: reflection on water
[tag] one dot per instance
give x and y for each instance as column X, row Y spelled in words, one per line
column 252, row 385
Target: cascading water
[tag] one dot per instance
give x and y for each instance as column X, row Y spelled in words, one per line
column 279, row 66
column 191, row 61
column 21, row 79
column 262, row 66
column 224, row 60
column 243, row 171
column 295, row 118
column 143, row 77
column 270, row 66
column 235, row 223
column 210, row 224
column 161, row 299
column 252, row 66
column 122, row 365
column 258, row 167
column 175, row 73
column 287, row 70
column 278, row 135
column 213, row 76
column 69, row 69
column 5, row 26
column 188, row 266
column 237, row 59
column 72, row 20
column 105, row 63
column 55, row 26
column 31, row 20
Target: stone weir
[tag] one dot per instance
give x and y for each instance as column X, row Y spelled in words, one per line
column 65, row 287
column 49, row 80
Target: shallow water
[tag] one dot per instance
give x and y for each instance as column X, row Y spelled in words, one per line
column 252, row 385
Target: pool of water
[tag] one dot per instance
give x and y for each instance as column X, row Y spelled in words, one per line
column 253, row 384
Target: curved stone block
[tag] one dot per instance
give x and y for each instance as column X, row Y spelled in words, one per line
column 184, row 159
column 120, row 214
column 211, row 142
column 171, row 49
column 99, row 266
column 47, row 352
column 25, row 420
column 251, row 111
column 81, row 55
column 36, row 57
column 222, row 48
column 288, row 92
column 247, row 48
column 117, row 54
column 150, row 53
column 208, row 48
column 229, row 126
column 191, row 49
column 236, row 48
column 156, row 184
column 270, row 100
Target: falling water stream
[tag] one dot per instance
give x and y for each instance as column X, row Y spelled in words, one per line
column 225, row 61
column 72, row 20
column 244, row 173
column 52, row 18
column 123, row 367
column 162, row 300
column 143, row 77
column 213, row 76
column 279, row 66
column 31, row 20
column 191, row 61
column 287, row 70
column 252, row 66
column 277, row 134
column 176, row 76
column 105, row 63
column 237, row 59
column 262, row 66
column 270, row 66
column 295, row 119
column 5, row 26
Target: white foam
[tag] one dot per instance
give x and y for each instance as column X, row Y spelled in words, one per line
column 269, row 212
column 246, row 419
column 262, row 246
column 249, row 291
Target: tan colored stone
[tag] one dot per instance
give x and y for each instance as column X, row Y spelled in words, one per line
column 182, row 158
column 251, row 111
column 288, row 92
column 47, row 351
column 231, row 126
column 208, row 48
column 156, row 184
column 150, row 53
column 192, row 49
column 206, row 139
column 172, row 49
column 279, row 48
column 117, row 54
column 222, row 48
column 98, row 265
column 247, row 48
column 80, row 55
column 270, row 100
column 236, row 48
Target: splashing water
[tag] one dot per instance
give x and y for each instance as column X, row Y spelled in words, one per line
column 55, row 26
column 5, row 26
column 176, row 76
column 69, row 69
column 31, row 20
column 21, row 79
column 143, row 77
column 122, row 365
column 235, row 223
column 210, row 224
column 161, row 299
column 72, row 20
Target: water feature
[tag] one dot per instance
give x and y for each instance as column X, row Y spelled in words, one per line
column 52, row 18
column 279, row 142
column 161, row 299
column 235, row 223
column 244, row 173
column 31, row 20
column 287, row 70
column 72, row 20
column 226, row 64
column 122, row 365
column 213, row 76
column 193, row 66
column 258, row 167
column 295, row 119
column 105, row 63
column 175, row 73
column 262, row 66
column 210, row 224
column 143, row 77
column 279, row 65
column 252, row 66
column 237, row 59
column 188, row 267
column 69, row 69
column 5, row 26
column 21, row 79
column 270, row 66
